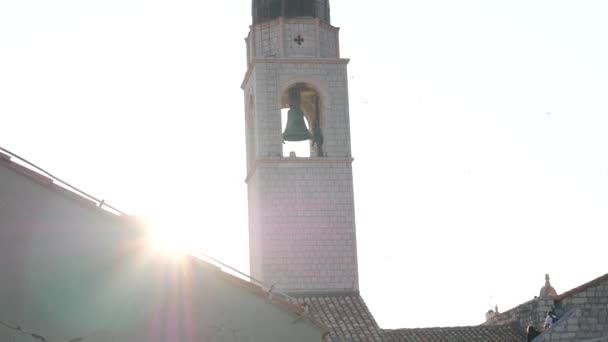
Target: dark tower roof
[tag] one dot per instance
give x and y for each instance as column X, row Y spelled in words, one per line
column 266, row 10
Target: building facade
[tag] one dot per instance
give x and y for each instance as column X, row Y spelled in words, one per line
column 301, row 207
column 72, row 271
column 582, row 313
column 301, row 203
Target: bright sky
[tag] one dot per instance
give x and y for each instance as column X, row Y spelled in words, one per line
column 467, row 190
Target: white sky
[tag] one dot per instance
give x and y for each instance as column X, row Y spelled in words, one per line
column 467, row 191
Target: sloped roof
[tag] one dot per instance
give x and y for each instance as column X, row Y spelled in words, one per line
column 276, row 299
column 493, row 333
column 582, row 288
column 51, row 183
column 345, row 314
column 48, row 181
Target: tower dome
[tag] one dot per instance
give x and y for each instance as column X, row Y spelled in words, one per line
column 267, row 10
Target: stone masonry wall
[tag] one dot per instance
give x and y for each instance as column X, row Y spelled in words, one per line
column 303, row 233
column 592, row 318
column 268, row 80
column 301, row 210
column 523, row 315
column 328, row 40
column 583, row 314
column 296, row 37
column 566, row 329
column 309, row 44
column 294, row 243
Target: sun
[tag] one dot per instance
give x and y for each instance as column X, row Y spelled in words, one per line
column 175, row 237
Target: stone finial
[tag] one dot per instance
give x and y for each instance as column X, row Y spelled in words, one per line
column 547, row 291
column 492, row 313
column 489, row 315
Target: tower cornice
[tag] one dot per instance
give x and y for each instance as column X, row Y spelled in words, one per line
column 269, row 24
column 296, row 160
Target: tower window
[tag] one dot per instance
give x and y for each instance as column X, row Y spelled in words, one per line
column 294, row 148
column 301, row 122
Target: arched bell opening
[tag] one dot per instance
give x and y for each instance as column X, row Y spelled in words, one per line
column 301, row 120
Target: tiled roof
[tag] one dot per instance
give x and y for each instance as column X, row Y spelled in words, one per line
column 493, row 333
column 582, row 288
column 346, row 315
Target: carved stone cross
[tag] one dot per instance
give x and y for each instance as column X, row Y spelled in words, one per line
column 298, row 40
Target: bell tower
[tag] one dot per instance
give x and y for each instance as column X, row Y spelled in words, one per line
column 301, row 204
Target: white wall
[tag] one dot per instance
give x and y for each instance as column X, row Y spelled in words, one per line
column 69, row 270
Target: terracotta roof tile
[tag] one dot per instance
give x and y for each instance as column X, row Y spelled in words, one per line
column 495, row 333
column 346, row 315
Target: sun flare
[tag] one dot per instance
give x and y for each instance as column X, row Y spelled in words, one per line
column 172, row 237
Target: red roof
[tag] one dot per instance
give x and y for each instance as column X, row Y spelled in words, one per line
column 345, row 314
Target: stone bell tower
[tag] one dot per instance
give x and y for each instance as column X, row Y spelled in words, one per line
column 301, row 208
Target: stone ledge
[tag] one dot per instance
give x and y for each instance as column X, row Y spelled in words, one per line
column 296, row 160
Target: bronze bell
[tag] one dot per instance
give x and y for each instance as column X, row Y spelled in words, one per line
column 295, row 129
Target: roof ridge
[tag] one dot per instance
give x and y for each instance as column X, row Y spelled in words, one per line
column 49, row 181
column 462, row 327
column 345, row 293
column 276, row 300
column 347, row 316
column 498, row 333
column 560, row 297
column 582, row 287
